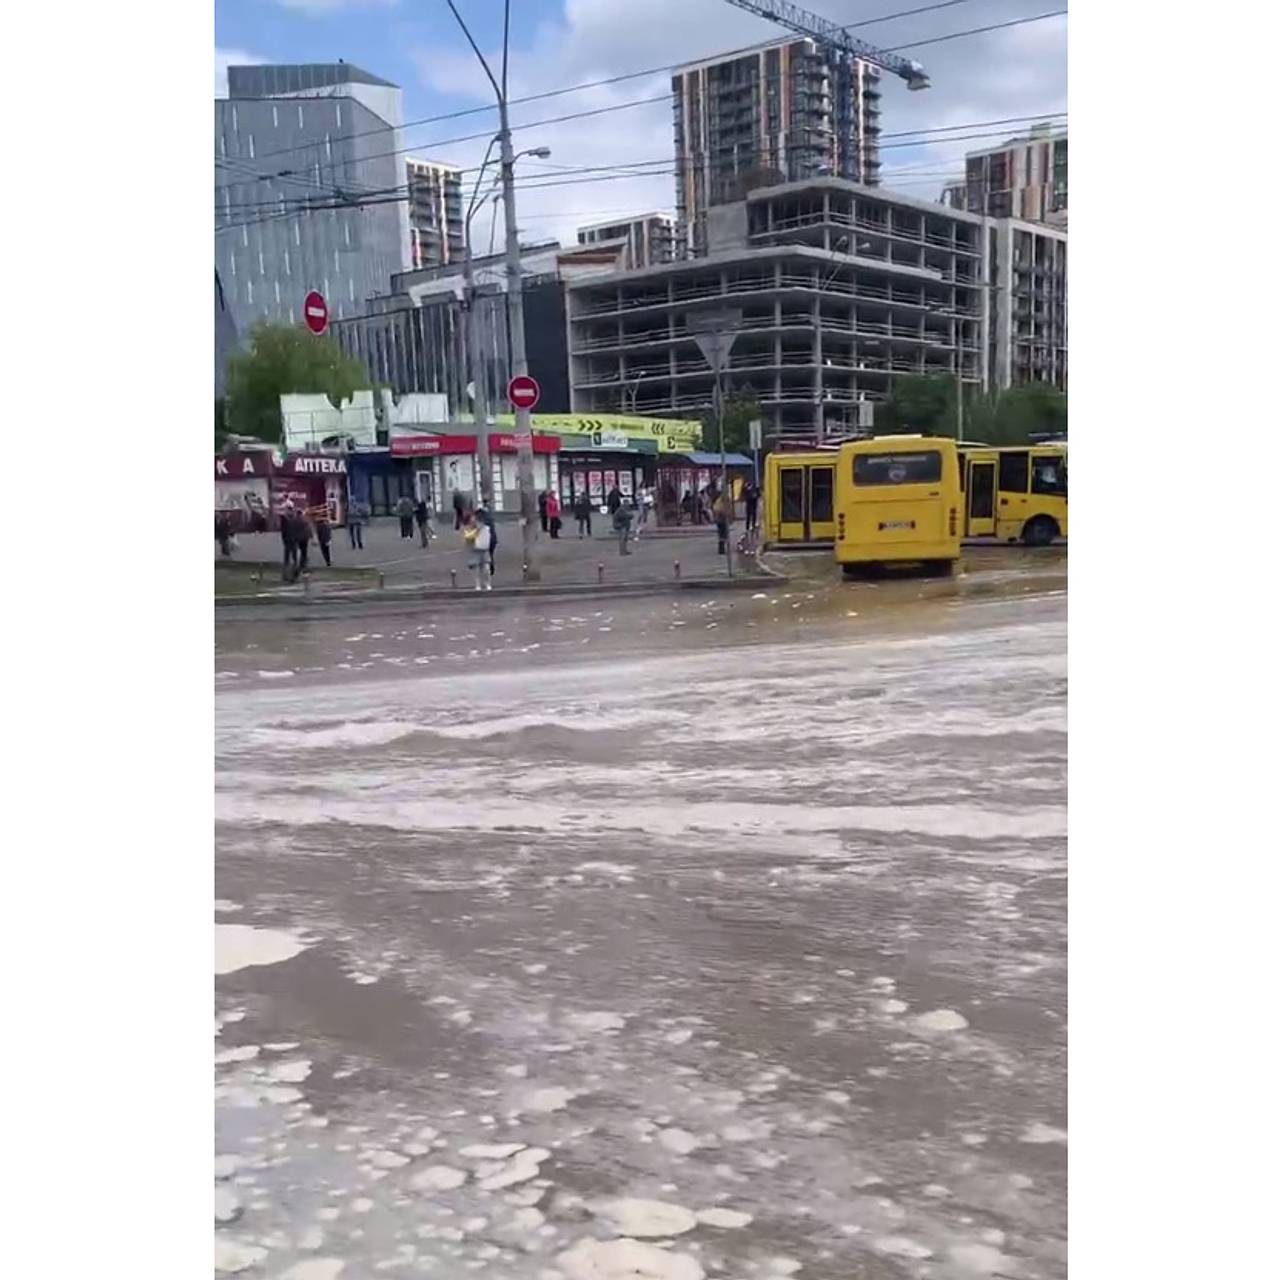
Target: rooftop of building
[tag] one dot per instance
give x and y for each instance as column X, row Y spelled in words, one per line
column 750, row 51
column 1022, row 140
column 625, row 220
column 267, row 79
column 433, row 164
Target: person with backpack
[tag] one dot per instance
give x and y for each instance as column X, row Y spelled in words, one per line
column 477, row 538
column 486, row 516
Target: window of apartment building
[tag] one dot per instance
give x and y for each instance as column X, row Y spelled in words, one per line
column 299, row 115
column 232, row 256
column 275, row 117
column 277, row 284
column 244, row 236
column 328, row 148
column 235, row 121
column 338, row 113
column 346, row 231
column 248, row 291
column 252, row 153
column 297, row 232
column 287, row 268
column 262, row 266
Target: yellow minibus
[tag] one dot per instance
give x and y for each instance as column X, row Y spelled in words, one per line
column 1015, row 494
column 799, row 498
column 898, row 501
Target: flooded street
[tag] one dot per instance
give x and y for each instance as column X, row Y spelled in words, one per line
column 670, row 937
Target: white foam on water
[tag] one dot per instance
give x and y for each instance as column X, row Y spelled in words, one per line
column 387, row 1160
column 274, row 675
column 231, row 1256
column 635, row 1217
column 226, row 1205
column 438, row 1177
column 679, row 1141
column 491, row 1151
column 552, row 1098
column 979, row 1259
column 941, row 1020
column 355, row 733
column 903, row 1247
column 361, row 1205
column 315, row 1269
column 893, row 1006
column 290, row 1072
column 241, row 946
column 241, row 1053
column 222, row 906
column 597, row 1022
column 680, row 1036
column 520, row 1168
column 726, row 1218
column 1038, row 1133
column 626, row 1259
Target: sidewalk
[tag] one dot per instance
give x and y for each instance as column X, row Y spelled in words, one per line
column 566, row 561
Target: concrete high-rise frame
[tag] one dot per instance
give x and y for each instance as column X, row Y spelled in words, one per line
column 784, row 111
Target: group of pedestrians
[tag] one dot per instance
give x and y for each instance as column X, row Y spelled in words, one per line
column 296, row 529
column 416, row 513
column 549, row 513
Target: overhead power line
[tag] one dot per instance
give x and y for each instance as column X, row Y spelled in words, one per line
column 633, row 75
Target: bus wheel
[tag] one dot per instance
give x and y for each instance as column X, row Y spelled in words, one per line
column 941, row 568
column 1039, row 532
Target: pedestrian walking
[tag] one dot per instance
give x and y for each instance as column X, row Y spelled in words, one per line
column 422, row 518
column 404, row 509
column 582, row 514
column 542, row 509
column 324, row 536
column 751, row 497
column 614, row 500
column 484, row 515
column 553, row 515
column 646, row 507
column 302, row 539
column 459, row 508
column 288, row 541
column 688, row 507
column 357, row 514
column 622, row 527
column 477, row 537
column 722, row 509
column 222, row 531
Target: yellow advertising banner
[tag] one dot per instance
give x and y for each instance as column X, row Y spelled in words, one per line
column 673, row 435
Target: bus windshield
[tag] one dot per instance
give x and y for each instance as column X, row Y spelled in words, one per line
column 922, row 467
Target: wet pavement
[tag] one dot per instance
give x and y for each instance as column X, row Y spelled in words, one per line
column 672, row 938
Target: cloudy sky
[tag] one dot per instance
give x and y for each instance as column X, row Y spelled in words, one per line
column 1020, row 71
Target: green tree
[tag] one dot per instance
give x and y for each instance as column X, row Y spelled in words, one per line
column 924, row 403
column 1016, row 414
column 283, row 360
column 740, row 408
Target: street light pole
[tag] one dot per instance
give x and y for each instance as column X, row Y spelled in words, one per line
column 480, row 399
column 515, row 303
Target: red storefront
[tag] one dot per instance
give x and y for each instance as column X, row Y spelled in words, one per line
column 447, row 462
column 252, row 488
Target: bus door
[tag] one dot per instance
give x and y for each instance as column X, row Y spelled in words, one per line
column 793, row 523
column 822, row 516
column 1011, row 486
column 981, row 497
column 806, row 502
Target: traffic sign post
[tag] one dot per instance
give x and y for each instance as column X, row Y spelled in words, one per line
column 523, row 392
column 315, row 312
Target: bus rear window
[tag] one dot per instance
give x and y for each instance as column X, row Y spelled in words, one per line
column 924, row 467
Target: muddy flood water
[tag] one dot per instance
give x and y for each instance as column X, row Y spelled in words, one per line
column 675, row 937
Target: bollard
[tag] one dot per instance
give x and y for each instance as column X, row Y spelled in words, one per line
column 600, row 573
column 382, row 580
column 677, row 568
column 453, row 578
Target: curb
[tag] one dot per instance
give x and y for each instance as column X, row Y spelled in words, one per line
column 399, row 595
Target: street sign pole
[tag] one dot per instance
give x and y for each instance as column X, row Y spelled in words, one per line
column 715, row 333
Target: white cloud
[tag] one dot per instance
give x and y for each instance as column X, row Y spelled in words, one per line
column 1020, row 71
column 224, row 58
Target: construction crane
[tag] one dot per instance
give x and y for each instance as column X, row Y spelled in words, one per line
column 829, row 33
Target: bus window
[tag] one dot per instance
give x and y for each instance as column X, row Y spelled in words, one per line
column 792, row 493
column 821, row 508
column 1049, row 477
column 920, row 467
column 1013, row 472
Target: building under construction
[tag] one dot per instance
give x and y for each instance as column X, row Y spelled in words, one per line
column 785, row 111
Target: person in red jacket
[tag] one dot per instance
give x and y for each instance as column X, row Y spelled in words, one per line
column 553, row 514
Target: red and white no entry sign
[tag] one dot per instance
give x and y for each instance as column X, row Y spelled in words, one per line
column 523, row 391
column 315, row 311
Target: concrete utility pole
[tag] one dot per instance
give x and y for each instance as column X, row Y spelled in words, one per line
column 515, row 304
column 475, row 357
